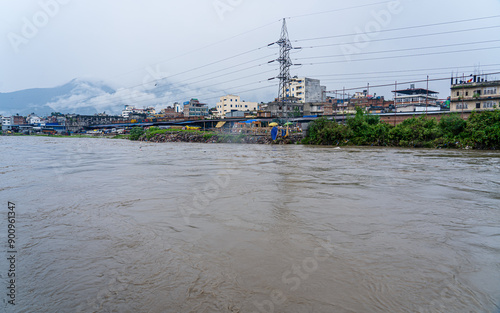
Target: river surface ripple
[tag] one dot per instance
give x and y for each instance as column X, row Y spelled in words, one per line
column 119, row 226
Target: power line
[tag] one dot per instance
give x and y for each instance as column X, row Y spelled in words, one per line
column 231, row 67
column 403, row 56
column 245, row 91
column 200, row 67
column 207, row 46
column 381, row 76
column 131, row 88
column 400, row 50
column 401, row 28
column 404, row 37
column 204, row 87
column 339, row 10
column 403, row 83
column 408, row 70
column 157, row 99
column 180, row 84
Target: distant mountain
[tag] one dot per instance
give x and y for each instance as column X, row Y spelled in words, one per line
column 68, row 98
column 87, row 98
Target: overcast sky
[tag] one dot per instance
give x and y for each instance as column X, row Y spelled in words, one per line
column 127, row 43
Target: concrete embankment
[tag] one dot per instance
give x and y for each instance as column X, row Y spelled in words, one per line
column 220, row 138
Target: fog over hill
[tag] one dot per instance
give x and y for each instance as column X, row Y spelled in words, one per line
column 88, row 98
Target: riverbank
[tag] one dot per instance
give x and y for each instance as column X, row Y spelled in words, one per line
column 198, row 137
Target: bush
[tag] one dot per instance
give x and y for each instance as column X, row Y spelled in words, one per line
column 415, row 132
column 452, row 125
column 367, row 129
column 136, row 133
column 325, row 132
column 483, row 130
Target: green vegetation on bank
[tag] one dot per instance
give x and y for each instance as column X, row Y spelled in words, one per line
column 480, row 131
column 137, row 133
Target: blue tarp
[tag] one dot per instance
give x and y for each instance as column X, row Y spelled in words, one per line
column 274, row 133
column 251, row 121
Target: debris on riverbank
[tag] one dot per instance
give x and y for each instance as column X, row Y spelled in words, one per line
column 220, row 138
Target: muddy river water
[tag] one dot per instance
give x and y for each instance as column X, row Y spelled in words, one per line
column 117, row 226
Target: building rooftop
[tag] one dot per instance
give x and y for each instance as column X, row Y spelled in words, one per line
column 475, row 84
column 415, row 91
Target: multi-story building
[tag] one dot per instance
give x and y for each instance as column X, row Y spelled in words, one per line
column 6, row 122
column 279, row 109
column 306, row 90
column 169, row 112
column 369, row 103
column 33, row 119
column 178, row 108
column 416, row 100
column 131, row 110
column 477, row 93
column 194, row 108
column 18, row 120
column 316, row 109
column 231, row 103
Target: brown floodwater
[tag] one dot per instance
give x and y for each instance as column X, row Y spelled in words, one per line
column 119, row 226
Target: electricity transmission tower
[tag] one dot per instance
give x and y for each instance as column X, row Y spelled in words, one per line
column 285, row 64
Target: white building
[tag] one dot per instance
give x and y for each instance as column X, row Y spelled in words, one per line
column 178, row 108
column 232, row 103
column 7, row 122
column 306, row 90
column 33, row 119
column 129, row 110
column 416, row 100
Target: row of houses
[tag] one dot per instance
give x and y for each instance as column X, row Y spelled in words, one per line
column 17, row 122
column 474, row 94
column 304, row 97
column 57, row 122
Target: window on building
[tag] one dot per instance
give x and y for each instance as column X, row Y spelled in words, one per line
column 478, row 105
column 458, row 93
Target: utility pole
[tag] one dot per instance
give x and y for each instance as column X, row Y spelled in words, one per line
column 427, row 96
column 285, row 64
column 395, row 108
column 343, row 102
column 463, row 94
